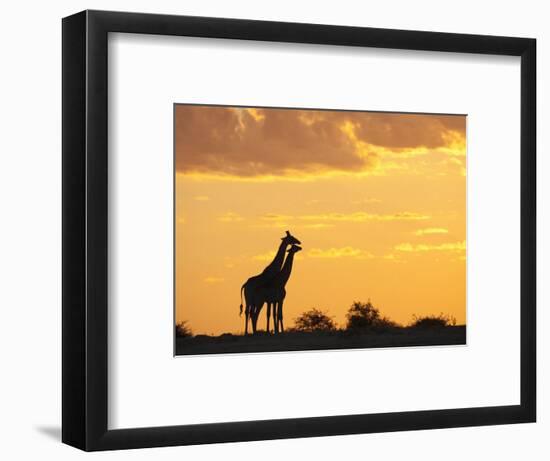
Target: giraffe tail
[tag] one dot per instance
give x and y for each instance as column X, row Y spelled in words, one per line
column 241, row 307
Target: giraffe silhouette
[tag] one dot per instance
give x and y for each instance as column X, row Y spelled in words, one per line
column 253, row 283
column 273, row 293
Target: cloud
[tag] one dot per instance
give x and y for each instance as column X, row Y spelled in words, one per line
column 344, row 252
column 248, row 143
column 394, row 130
column 267, row 256
column 410, row 248
column 392, row 257
column 276, row 217
column 361, row 216
column 325, row 220
column 272, row 225
column 460, row 164
column 317, row 226
column 431, row 231
column 230, row 217
column 275, row 224
column 212, row 280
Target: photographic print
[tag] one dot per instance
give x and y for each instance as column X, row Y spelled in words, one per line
column 314, row 229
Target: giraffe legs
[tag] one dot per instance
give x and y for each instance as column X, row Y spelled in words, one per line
column 274, row 309
column 253, row 318
column 275, row 318
column 268, row 312
column 254, row 314
column 258, row 310
column 246, row 317
column 279, row 319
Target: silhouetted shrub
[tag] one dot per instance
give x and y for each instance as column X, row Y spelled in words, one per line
column 382, row 324
column 183, row 330
column 361, row 316
column 433, row 321
column 366, row 317
column 314, row 320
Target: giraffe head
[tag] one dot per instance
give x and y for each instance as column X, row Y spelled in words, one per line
column 290, row 239
column 294, row 249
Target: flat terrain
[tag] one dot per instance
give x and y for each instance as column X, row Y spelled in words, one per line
column 301, row 341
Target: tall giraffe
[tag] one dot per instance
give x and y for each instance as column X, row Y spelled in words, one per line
column 274, row 292
column 253, row 283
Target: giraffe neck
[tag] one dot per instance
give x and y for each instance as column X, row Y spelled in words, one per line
column 275, row 266
column 284, row 275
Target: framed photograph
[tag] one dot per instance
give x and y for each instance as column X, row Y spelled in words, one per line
column 279, row 230
column 359, row 188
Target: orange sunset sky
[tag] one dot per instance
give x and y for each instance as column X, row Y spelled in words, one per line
column 377, row 199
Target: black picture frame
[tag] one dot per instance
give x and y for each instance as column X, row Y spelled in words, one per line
column 85, row 222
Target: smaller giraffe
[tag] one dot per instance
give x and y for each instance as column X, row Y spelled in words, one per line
column 274, row 292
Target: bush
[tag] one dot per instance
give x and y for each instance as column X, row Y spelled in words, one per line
column 361, row 316
column 384, row 324
column 433, row 321
column 183, row 330
column 314, row 320
column 364, row 316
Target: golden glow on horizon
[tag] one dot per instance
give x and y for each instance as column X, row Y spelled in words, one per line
column 378, row 201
